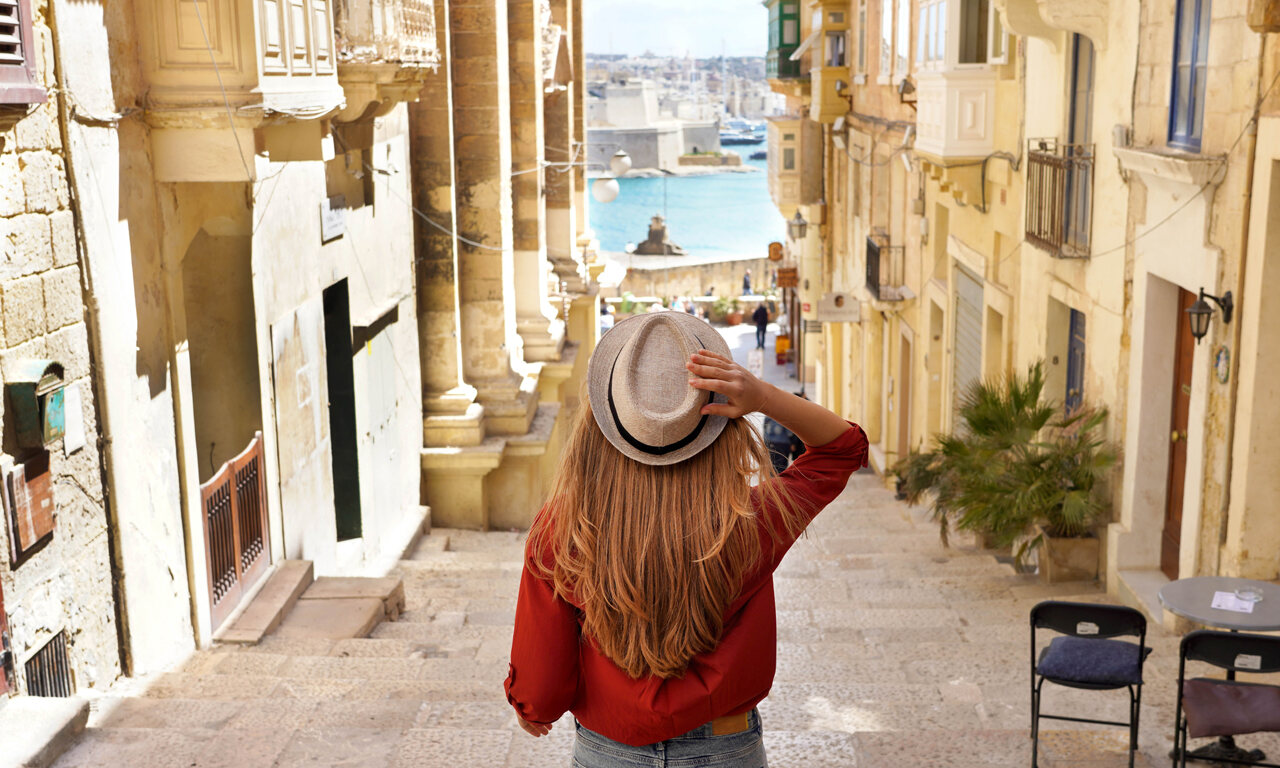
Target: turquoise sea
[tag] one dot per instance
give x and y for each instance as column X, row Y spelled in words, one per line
column 725, row 214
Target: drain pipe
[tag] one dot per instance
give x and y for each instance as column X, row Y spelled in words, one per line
column 93, row 327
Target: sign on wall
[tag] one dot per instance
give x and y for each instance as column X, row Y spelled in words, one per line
column 839, row 308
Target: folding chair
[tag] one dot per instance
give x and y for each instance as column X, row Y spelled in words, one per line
column 1083, row 655
column 1226, row 708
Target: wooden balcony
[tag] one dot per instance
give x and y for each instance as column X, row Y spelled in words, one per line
column 795, row 163
column 831, row 93
column 955, row 115
column 217, row 73
column 1059, row 197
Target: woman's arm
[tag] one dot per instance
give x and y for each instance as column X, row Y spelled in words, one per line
column 811, row 422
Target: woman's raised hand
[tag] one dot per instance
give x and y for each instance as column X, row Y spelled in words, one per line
column 716, row 373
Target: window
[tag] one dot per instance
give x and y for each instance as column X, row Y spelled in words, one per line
column 862, row 36
column 18, row 82
column 931, row 42
column 903, row 40
column 789, row 159
column 886, row 37
column 997, row 39
column 974, row 23
column 835, row 49
column 789, row 32
column 1190, row 53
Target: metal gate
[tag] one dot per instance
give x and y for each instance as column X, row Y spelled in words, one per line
column 968, row 340
column 236, row 540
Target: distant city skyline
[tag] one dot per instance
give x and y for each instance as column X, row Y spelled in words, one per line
column 676, row 27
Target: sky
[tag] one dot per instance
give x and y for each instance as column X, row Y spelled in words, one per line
column 674, row 27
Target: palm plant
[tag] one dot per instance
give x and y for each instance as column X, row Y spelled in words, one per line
column 1013, row 464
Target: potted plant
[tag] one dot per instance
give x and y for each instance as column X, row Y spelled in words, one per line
column 734, row 317
column 1019, row 473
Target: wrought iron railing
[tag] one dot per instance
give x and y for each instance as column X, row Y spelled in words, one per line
column 237, row 542
column 1060, row 197
column 884, row 268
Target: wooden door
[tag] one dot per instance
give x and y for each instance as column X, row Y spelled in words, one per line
column 1171, row 540
column 968, row 341
column 904, row 399
column 1075, row 363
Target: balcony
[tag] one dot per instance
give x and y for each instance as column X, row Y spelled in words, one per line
column 795, row 163
column 386, row 50
column 885, row 264
column 955, row 112
column 831, row 94
column 1059, row 197
column 779, row 66
column 270, row 63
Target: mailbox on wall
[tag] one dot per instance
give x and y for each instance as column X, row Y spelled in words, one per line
column 35, row 390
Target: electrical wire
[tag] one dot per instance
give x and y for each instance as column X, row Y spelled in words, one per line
column 226, row 101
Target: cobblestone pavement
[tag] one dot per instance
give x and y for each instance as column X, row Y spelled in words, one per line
column 893, row 651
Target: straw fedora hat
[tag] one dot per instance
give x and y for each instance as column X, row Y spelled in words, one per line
column 639, row 388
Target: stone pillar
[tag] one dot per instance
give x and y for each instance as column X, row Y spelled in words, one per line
column 562, row 226
column 536, row 321
column 492, row 350
column 451, row 415
column 579, row 91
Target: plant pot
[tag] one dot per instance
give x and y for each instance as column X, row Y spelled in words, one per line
column 1068, row 559
column 733, row 318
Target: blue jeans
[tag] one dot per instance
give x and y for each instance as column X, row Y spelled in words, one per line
column 695, row 748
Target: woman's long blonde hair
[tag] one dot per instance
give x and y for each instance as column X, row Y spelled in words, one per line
column 655, row 554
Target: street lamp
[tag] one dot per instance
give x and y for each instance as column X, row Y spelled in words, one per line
column 797, row 226
column 1200, row 313
column 606, row 188
column 620, row 163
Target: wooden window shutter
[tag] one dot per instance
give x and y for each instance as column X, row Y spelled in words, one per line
column 18, row 81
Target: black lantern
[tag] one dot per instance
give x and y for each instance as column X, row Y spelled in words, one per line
column 797, row 226
column 1200, row 313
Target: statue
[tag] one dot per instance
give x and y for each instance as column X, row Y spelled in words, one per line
column 657, row 244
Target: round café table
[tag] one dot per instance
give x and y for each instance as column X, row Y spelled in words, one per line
column 1192, row 599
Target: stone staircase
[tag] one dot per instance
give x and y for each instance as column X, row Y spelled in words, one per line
column 893, row 651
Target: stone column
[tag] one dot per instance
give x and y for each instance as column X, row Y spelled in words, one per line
column 562, row 240
column 492, row 350
column 451, row 415
column 579, row 91
column 536, row 321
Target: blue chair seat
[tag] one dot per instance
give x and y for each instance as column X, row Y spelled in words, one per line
column 1092, row 662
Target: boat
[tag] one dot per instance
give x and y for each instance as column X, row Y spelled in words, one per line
column 734, row 138
column 760, row 154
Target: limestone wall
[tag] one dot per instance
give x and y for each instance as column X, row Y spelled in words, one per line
column 65, row 584
column 695, row 279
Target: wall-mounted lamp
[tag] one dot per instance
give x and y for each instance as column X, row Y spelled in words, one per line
column 797, row 226
column 905, row 89
column 1200, row 313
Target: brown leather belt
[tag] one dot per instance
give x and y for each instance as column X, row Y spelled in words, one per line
column 723, row 726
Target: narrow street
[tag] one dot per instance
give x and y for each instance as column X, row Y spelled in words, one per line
column 893, row 651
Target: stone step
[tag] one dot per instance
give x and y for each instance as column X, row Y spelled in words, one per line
column 267, row 609
column 389, row 590
column 36, row 730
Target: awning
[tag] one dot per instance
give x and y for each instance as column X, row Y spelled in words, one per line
column 807, row 44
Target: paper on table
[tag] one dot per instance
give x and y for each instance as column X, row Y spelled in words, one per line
column 1227, row 601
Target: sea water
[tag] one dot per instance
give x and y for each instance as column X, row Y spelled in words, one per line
column 723, row 214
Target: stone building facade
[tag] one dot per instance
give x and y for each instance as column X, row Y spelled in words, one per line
column 1010, row 181
column 293, row 278
column 55, row 580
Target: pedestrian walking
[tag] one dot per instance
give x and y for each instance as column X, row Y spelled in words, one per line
column 761, row 318
column 746, row 283
column 646, row 599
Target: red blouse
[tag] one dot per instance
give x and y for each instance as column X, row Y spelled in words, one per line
column 554, row 669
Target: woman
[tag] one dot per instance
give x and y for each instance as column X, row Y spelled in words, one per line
column 646, row 603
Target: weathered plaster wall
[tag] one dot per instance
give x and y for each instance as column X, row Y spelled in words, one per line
column 292, row 268
column 695, row 279
column 65, row 584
